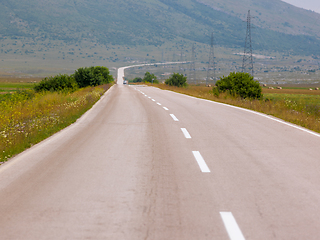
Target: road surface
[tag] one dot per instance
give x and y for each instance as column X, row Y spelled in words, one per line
column 151, row 164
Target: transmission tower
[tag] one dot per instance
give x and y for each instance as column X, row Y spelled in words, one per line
column 162, row 59
column 247, row 64
column 211, row 71
column 181, row 67
column 174, row 67
column 193, row 67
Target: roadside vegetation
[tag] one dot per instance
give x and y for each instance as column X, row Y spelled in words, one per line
column 29, row 116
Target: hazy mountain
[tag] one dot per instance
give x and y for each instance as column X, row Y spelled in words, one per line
column 272, row 14
column 277, row 26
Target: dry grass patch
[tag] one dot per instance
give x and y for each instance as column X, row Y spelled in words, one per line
column 291, row 91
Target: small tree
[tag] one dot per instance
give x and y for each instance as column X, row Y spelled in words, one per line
column 177, row 80
column 148, row 77
column 83, row 77
column 104, row 73
column 239, row 84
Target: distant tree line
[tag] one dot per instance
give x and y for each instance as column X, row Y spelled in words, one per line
column 148, row 78
column 175, row 79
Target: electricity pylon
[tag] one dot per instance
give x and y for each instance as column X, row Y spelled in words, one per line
column 182, row 69
column 247, row 64
column 211, row 71
column 193, row 67
column 176, row 66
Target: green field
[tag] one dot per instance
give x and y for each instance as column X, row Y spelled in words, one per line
column 13, row 87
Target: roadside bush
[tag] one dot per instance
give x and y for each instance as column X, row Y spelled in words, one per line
column 92, row 76
column 137, row 79
column 148, row 77
column 177, row 80
column 239, row 84
column 57, row 83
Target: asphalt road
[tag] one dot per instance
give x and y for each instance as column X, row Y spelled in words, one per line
column 151, row 164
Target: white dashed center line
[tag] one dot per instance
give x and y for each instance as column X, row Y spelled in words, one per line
column 232, row 227
column 185, row 133
column 174, row 118
column 159, row 104
column 153, row 100
column 165, row 108
column 202, row 164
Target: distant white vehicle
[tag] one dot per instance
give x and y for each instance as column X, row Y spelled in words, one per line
column 125, row 82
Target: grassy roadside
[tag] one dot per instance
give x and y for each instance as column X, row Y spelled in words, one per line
column 28, row 117
column 301, row 107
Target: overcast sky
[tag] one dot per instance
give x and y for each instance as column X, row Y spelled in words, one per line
column 313, row 5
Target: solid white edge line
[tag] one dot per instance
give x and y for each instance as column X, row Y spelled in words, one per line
column 257, row 113
column 231, row 226
column 185, row 133
column 165, row 108
column 202, row 164
column 174, row 118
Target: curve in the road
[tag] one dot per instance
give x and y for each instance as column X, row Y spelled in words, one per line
column 121, row 70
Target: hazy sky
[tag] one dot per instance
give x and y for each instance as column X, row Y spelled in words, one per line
column 313, row 5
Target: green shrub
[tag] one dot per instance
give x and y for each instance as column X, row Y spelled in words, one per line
column 92, row 76
column 177, row 80
column 148, row 77
column 137, row 79
column 239, row 84
column 57, row 83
